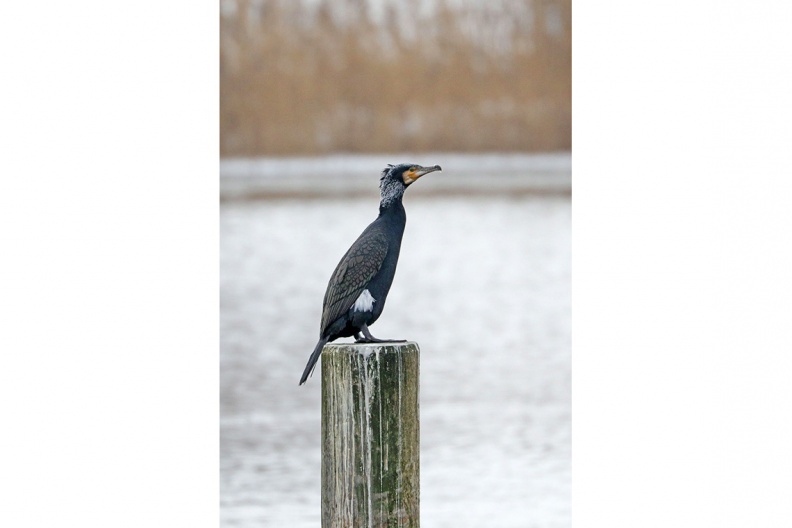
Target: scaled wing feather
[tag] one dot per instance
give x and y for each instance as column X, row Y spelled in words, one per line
column 358, row 266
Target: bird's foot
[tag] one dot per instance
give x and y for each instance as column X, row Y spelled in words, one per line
column 368, row 338
column 375, row 340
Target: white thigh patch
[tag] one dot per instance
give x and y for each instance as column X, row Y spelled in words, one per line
column 364, row 303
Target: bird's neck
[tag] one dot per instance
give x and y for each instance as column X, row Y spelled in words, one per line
column 392, row 208
column 391, row 193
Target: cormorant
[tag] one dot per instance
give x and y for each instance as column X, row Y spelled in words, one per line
column 359, row 285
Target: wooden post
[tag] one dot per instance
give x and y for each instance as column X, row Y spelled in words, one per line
column 370, row 435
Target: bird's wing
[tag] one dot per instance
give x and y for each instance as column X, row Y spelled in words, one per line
column 358, row 266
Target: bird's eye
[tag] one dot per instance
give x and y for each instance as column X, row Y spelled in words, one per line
column 413, row 169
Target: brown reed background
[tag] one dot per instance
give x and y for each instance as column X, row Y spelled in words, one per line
column 319, row 76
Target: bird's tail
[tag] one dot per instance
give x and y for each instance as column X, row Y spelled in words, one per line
column 313, row 359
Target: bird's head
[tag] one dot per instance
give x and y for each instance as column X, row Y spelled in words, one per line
column 396, row 178
column 409, row 172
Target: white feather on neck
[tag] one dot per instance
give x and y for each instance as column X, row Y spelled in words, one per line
column 390, row 191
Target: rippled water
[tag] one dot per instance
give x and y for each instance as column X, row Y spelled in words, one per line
column 483, row 285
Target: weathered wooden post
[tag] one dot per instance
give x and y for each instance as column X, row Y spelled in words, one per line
column 370, row 435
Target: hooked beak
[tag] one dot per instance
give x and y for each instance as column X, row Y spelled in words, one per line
column 426, row 170
column 413, row 175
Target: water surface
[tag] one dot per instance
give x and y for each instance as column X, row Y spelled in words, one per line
column 483, row 285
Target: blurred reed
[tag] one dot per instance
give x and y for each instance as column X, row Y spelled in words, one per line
column 319, row 76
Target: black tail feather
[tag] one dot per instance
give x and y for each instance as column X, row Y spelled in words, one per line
column 313, row 359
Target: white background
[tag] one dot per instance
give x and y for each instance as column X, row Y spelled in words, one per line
column 681, row 266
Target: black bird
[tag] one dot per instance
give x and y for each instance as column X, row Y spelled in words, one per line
column 357, row 290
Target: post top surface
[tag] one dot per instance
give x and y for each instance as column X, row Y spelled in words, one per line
column 368, row 348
